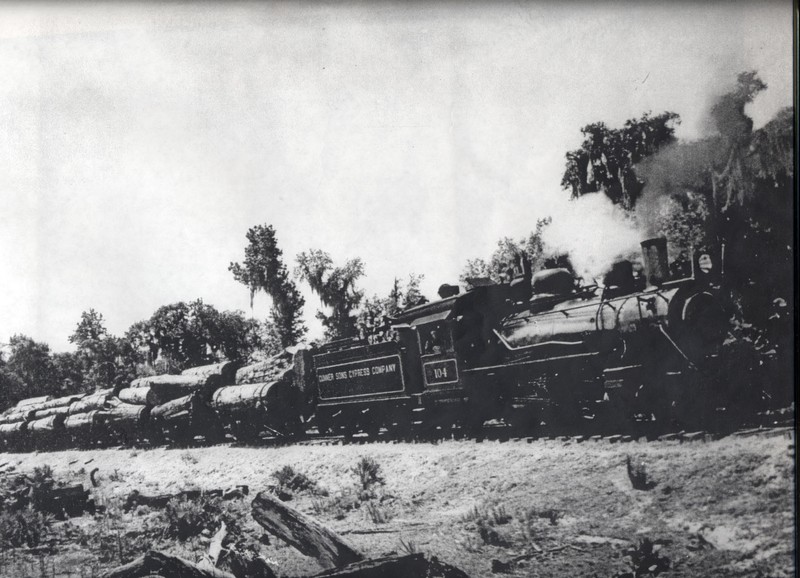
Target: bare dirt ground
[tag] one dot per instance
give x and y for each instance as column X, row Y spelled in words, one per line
column 548, row 508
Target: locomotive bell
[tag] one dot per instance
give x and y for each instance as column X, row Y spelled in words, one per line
column 656, row 265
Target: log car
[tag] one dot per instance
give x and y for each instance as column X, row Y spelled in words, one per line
column 184, row 419
column 13, row 436
column 255, row 409
column 85, row 429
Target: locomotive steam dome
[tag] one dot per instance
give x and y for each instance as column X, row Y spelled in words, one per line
column 553, row 282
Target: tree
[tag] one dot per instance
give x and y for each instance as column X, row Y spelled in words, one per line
column 31, row 362
column 12, row 386
column 375, row 311
column 605, row 161
column 97, row 355
column 336, row 289
column 507, row 255
column 190, row 334
column 735, row 188
column 263, row 270
column 90, row 329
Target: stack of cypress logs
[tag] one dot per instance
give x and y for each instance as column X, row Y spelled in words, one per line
column 85, row 421
column 14, row 422
column 179, row 410
column 263, row 400
column 268, row 397
column 39, row 418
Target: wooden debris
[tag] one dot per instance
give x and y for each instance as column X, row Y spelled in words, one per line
column 160, row 501
column 302, row 532
column 155, row 562
column 246, row 562
column 411, row 566
column 211, row 559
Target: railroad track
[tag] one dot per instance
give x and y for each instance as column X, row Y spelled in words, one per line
column 772, row 425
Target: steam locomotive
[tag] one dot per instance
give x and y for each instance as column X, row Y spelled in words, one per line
column 539, row 350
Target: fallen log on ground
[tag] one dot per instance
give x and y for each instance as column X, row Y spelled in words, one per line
column 302, row 532
column 160, row 501
column 67, row 501
column 410, row 566
column 331, row 552
column 154, row 562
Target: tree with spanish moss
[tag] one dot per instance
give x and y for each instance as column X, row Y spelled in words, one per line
column 263, row 270
column 336, row 288
column 605, row 161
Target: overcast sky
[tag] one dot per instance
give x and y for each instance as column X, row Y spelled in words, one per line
column 139, row 142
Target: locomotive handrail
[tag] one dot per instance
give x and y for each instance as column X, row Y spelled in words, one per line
column 521, row 347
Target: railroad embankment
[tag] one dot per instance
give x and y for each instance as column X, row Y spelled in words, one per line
column 543, row 508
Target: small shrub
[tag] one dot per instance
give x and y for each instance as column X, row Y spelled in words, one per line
column 338, row 506
column 498, row 516
column 25, row 527
column 550, row 514
column 637, row 473
column 368, row 472
column 493, row 516
column 42, row 477
column 288, row 480
column 185, row 519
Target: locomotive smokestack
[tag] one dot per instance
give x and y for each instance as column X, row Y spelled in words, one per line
column 656, row 265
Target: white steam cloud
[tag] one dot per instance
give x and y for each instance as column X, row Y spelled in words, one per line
column 595, row 234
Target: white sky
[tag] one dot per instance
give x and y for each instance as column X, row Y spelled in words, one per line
column 139, row 142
